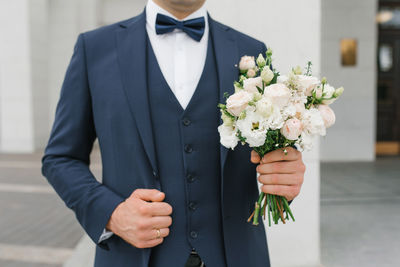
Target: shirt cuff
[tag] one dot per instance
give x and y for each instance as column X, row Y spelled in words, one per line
column 105, row 235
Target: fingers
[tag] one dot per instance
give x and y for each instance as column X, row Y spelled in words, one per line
column 289, row 192
column 254, row 157
column 159, row 222
column 280, row 179
column 156, row 209
column 164, row 232
column 279, row 155
column 280, row 167
column 149, row 195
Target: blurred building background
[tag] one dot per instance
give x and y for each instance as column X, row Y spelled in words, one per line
column 355, row 43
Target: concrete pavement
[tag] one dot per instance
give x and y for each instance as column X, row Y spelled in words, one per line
column 360, row 216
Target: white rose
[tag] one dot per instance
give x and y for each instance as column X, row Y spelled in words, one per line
column 251, row 84
column 292, row 129
column 237, row 102
column 267, row 74
column 318, row 92
column 282, row 79
column 300, row 109
column 246, row 63
column 289, row 111
column 327, row 115
column 327, row 94
column 313, row 122
column 307, row 84
column 228, row 136
column 278, row 94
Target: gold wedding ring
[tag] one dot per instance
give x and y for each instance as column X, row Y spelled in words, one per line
column 158, row 233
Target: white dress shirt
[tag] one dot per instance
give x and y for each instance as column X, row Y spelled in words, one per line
column 181, row 59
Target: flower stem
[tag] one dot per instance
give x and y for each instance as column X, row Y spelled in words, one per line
column 269, row 209
column 287, row 208
column 257, row 208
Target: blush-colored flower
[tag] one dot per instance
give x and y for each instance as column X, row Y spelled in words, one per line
column 292, row 129
column 237, row 102
column 251, row 84
column 278, row 94
column 307, row 84
column 327, row 115
column 246, row 63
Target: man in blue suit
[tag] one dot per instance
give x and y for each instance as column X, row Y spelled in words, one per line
column 147, row 88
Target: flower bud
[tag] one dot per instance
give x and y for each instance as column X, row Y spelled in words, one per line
column 297, row 70
column 339, row 92
column 237, row 86
column 267, row 75
column 228, row 121
column 251, row 73
column 261, row 61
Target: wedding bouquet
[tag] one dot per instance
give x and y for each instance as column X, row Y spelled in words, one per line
column 269, row 111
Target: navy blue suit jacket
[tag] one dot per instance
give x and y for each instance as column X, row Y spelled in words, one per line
column 104, row 96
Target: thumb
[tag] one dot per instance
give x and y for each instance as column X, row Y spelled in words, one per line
column 255, row 158
column 152, row 195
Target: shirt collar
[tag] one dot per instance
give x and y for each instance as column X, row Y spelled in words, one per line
column 152, row 9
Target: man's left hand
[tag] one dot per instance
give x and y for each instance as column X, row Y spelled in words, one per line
column 280, row 174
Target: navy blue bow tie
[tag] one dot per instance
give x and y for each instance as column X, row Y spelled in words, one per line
column 193, row 27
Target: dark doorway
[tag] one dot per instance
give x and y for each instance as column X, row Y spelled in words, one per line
column 388, row 93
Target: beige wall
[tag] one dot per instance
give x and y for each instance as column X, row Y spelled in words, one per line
column 353, row 136
column 16, row 121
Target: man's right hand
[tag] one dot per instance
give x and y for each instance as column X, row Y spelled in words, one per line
column 137, row 219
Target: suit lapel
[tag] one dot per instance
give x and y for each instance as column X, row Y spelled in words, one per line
column 131, row 49
column 227, row 56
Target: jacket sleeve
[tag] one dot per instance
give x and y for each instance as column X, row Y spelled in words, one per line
column 67, row 156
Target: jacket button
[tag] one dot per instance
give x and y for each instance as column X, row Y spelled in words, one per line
column 190, row 178
column 188, row 149
column 192, row 206
column 193, row 234
column 155, row 174
column 186, row 121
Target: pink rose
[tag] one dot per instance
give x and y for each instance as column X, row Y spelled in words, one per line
column 246, row 63
column 237, row 102
column 251, row 73
column 292, row 129
column 327, row 115
column 307, row 84
column 278, row 94
column 251, row 84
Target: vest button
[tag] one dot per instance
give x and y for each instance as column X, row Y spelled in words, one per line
column 193, row 234
column 192, row 206
column 186, row 121
column 190, row 178
column 188, row 149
